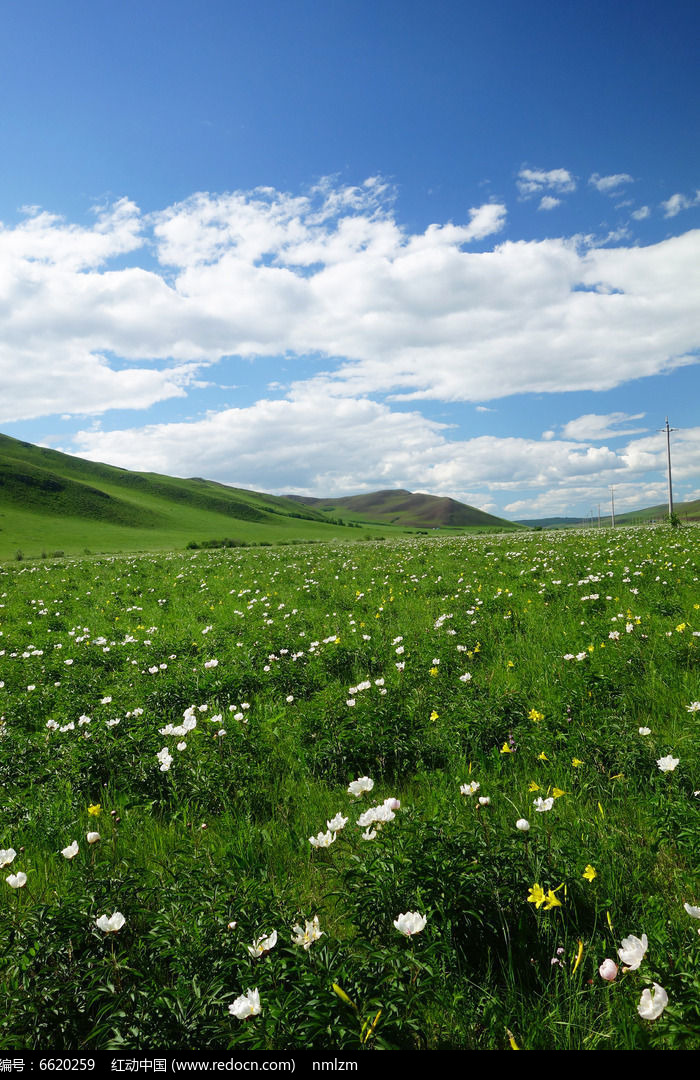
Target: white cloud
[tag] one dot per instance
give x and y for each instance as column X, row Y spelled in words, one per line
column 593, row 427
column 533, row 181
column 548, row 202
column 331, row 273
column 610, row 184
column 642, row 213
column 673, row 206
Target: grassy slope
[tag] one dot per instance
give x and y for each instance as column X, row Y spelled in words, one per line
column 407, row 508
column 52, row 501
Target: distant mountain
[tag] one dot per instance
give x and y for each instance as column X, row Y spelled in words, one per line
column 399, row 507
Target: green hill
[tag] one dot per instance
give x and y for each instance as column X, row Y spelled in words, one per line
column 399, row 507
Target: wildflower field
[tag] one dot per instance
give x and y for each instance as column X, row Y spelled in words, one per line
column 439, row 793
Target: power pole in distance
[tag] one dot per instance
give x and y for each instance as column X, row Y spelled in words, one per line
column 612, row 505
column 668, row 431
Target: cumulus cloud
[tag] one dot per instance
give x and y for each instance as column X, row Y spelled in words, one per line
column 549, row 202
column 609, row 185
column 593, row 427
column 448, row 313
column 534, row 181
column 642, row 213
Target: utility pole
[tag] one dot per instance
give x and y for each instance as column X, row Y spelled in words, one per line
column 612, row 504
column 598, row 515
column 668, row 431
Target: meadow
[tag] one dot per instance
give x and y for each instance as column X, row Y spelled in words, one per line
column 439, row 793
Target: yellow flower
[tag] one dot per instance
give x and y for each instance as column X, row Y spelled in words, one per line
column 537, row 896
column 510, row 664
column 542, row 757
column 505, row 749
column 434, row 715
column 535, row 715
column 589, row 873
column 576, row 762
column 433, row 671
column 557, row 792
column 591, row 648
column 579, row 954
column 511, row 1040
column 533, row 786
column 95, row 810
column 551, row 901
column 680, row 628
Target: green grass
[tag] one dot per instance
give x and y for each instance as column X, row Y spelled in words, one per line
column 573, row 641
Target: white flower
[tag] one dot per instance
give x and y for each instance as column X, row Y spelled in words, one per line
column 307, row 936
column 211, row 663
column 693, row 707
column 651, row 1006
column 111, row 924
column 469, row 789
column 541, row 804
column 6, row 856
column 246, row 1005
column 358, row 787
column 17, row 881
column 523, row 824
column 694, row 912
column 411, row 922
column 633, row 950
column 645, row 731
column 608, row 970
column 165, row 759
column 71, row 851
column 337, row 823
column 93, row 837
column 484, row 800
column 668, row 763
column 262, row 944
column 369, row 834
column 322, row 839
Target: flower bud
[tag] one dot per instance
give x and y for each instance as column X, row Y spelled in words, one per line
column 608, row 970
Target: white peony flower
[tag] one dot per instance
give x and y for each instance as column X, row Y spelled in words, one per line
column 523, row 824
column 694, row 912
column 337, row 823
column 652, row 1005
column 541, row 805
column 633, row 950
column 668, row 763
column 7, row 856
column 111, row 924
column 246, row 1005
column 608, row 970
column 322, row 839
column 17, row 881
column 93, row 837
column 262, row 945
column 410, row 923
column 645, row 731
column 71, row 851
column 308, row 935
column 358, row 787
column 469, row 789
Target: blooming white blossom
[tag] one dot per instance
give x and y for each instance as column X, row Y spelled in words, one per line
column 262, row 944
column 246, row 1005
column 645, row 731
column 369, row 834
column 541, row 805
column 337, row 823
column 633, row 950
column 668, row 763
column 693, row 707
column 523, row 824
column 358, row 787
column 7, row 856
column 71, row 851
column 484, row 800
column 211, row 663
column 323, row 839
column 410, row 923
column 93, row 837
column 469, row 789
column 110, row 924
column 653, row 1004
column 308, row 935
column 17, row 881
column 693, row 911
column 165, row 759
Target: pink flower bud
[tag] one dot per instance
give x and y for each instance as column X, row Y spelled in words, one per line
column 608, row 970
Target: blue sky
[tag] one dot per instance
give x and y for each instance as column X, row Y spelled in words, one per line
column 332, row 247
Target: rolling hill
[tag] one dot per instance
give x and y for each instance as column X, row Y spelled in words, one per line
column 50, row 501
